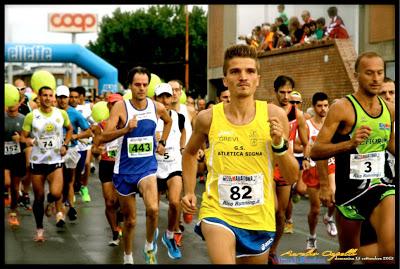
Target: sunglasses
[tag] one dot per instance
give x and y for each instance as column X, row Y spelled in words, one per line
column 295, row 102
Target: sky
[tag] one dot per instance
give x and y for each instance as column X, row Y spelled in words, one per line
column 29, row 23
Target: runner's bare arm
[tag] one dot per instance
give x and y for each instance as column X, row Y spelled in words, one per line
column 117, row 115
column 164, row 115
column 391, row 144
column 189, row 159
column 287, row 163
column 338, row 116
column 303, row 135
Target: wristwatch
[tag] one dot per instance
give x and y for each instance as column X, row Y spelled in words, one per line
column 162, row 142
column 66, row 146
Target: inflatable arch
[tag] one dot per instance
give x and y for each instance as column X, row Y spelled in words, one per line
column 74, row 53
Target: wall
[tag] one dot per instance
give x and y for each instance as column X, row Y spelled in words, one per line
column 326, row 66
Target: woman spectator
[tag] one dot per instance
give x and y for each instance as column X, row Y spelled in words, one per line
column 295, row 31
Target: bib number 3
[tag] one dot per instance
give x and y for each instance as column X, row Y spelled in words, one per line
column 367, row 166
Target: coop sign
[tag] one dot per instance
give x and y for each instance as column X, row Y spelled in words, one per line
column 73, row 22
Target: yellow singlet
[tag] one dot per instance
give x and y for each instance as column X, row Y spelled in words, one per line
column 239, row 187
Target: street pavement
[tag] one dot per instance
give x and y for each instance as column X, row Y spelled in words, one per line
column 86, row 240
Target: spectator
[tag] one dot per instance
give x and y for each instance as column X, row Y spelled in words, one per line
column 201, row 104
column 306, row 16
column 190, row 101
column 281, row 26
column 321, row 28
column 336, row 28
column 265, row 31
column 295, row 31
column 282, row 14
column 306, row 33
column 312, row 35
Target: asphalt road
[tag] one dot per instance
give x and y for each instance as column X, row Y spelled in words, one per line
column 86, row 241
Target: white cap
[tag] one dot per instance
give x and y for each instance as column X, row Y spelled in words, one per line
column 163, row 88
column 62, row 90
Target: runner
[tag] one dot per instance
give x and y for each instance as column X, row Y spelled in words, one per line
column 169, row 172
column 46, row 123
column 83, row 168
column 237, row 214
column 14, row 160
column 357, row 131
column 108, row 153
column 134, row 123
column 283, row 86
column 310, row 177
column 78, row 122
column 189, row 113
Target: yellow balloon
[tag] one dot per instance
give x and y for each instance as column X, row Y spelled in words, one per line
column 42, row 78
column 182, row 99
column 11, row 95
column 100, row 111
column 154, row 81
column 127, row 95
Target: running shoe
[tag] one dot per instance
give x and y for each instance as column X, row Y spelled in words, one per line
column 330, row 225
column 311, row 243
column 115, row 239
column 173, row 250
column 72, row 214
column 39, row 237
column 150, row 255
column 85, row 194
column 50, row 209
column 13, row 220
column 288, row 228
column 128, row 259
column 272, row 258
column 178, row 238
column 60, row 220
column 26, row 201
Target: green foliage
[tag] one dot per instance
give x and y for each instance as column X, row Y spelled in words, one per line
column 155, row 38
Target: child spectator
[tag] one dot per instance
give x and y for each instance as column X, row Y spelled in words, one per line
column 321, row 29
column 336, row 28
column 282, row 14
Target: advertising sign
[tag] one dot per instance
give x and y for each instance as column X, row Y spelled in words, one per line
column 72, row 22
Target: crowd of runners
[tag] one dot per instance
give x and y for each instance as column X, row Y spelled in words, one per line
column 255, row 159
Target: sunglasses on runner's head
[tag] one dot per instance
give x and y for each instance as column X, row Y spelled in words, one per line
column 295, row 102
column 21, row 89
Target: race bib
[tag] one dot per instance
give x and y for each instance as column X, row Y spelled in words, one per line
column 168, row 156
column 240, row 190
column 48, row 142
column 11, row 148
column 112, row 150
column 139, row 147
column 366, row 166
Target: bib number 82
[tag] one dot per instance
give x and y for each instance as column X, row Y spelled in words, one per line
column 240, row 193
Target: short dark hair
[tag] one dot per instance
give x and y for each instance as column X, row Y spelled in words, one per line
column 321, row 20
column 81, row 90
column 177, row 81
column 367, row 54
column 74, row 89
column 139, row 70
column 282, row 81
column 243, row 51
column 43, row 88
column 210, row 103
column 220, row 91
column 319, row 96
column 332, row 11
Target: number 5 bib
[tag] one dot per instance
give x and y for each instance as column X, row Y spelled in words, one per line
column 240, row 190
column 139, row 147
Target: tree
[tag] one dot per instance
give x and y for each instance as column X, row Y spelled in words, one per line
column 155, row 38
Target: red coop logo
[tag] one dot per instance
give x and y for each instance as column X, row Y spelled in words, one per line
column 73, row 22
